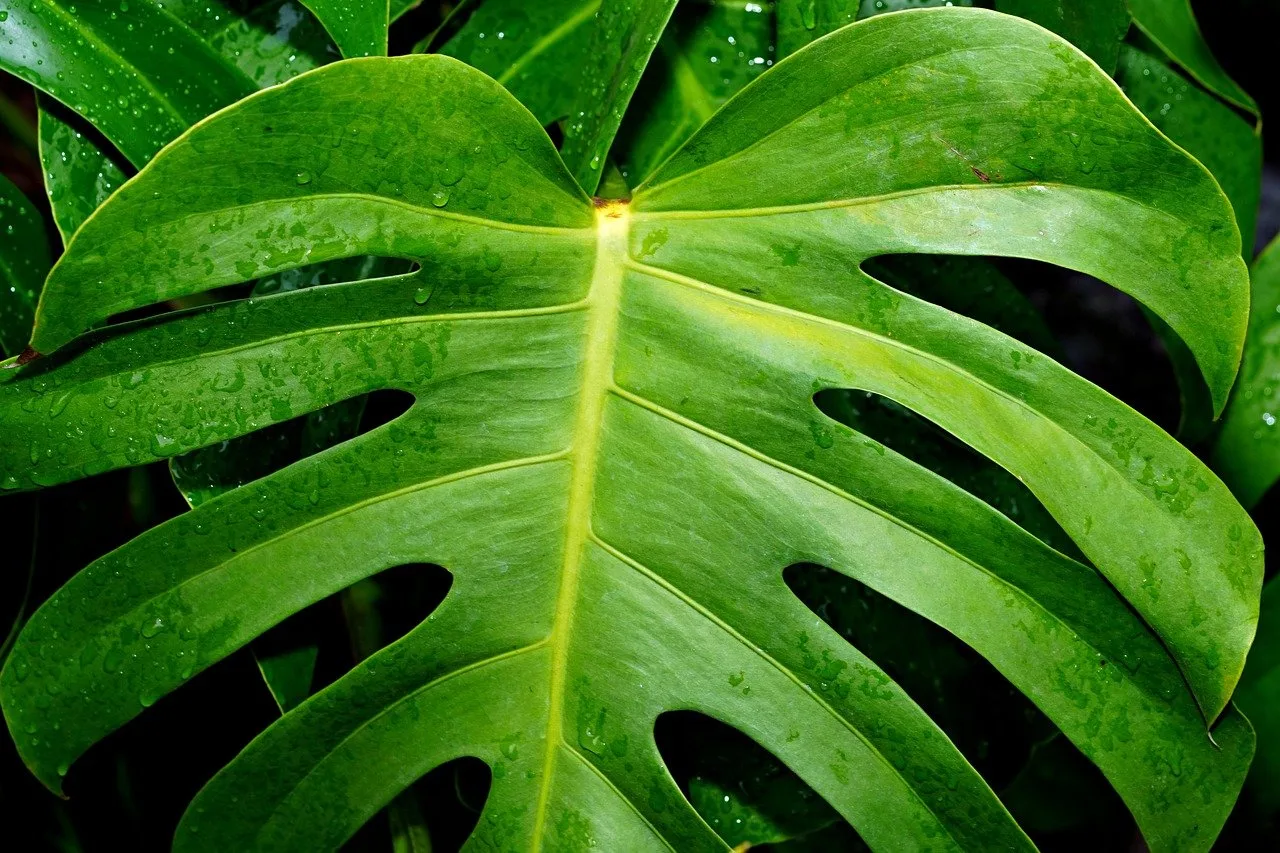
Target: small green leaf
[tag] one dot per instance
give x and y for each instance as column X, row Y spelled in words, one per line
column 1172, row 25
column 1095, row 26
column 802, row 21
column 358, row 27
column 82, row 169
column 707, row 53
column 24, row 262
column 1247, row 453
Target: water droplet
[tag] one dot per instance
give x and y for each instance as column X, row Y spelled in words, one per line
column 113, row 660
column 303, row 178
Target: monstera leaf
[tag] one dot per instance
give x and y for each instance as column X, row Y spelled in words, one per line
column 615, row 451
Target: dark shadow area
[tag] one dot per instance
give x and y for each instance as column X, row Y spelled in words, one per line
column 318, row 645
column 920, row 440
column 130, row 789
column 993, row 725
column 1104, row 335
column 210, row 471
column 1077, row 320
column 743, row 791
column 443, row 806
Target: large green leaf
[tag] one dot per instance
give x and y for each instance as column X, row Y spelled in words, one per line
column 615, row 451
column 24, row 262
column 1247, row 453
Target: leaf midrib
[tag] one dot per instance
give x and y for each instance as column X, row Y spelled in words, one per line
column 604, row 298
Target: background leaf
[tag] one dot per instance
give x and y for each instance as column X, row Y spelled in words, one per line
column 707, row 53
column 358, row 27
column 802, row 21
column 268, row 44
column 24, row 262
column 1172, row 25
column 572, row 61
column 1095, row 26
column 1247, row 453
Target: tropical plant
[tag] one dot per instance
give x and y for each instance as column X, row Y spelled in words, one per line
column 616, row 446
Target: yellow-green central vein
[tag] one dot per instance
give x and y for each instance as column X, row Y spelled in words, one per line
column 602, row 331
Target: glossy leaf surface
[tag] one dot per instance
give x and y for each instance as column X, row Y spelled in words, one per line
column 615, row 451
column 267, row 44
column 82, row 169
column 535, row 50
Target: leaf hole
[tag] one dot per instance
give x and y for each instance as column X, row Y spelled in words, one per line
column 338, row 271
column 1087, row 325
column 445, row 804
column 917, row 438
column 744, row 792
column 210, row 471
column 988, row 719
column 316, row 646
